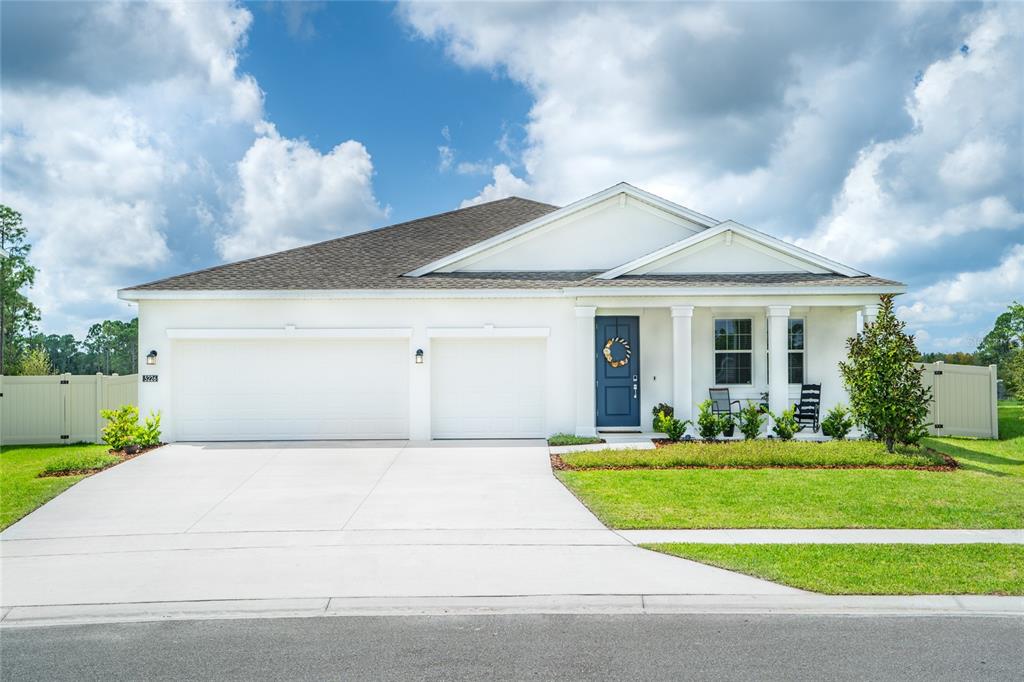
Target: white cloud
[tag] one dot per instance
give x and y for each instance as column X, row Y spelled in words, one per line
column 291, row 194
column 123, row 126
column 505, row 184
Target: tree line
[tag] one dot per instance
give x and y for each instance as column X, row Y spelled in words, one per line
column 110, row 347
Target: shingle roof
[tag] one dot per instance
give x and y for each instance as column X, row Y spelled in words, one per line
column 377, row 259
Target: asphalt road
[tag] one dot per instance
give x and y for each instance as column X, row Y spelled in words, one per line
column 524, row 647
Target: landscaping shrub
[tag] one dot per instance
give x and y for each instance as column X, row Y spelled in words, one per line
column 709, row 424
column 671, row 427
column 564, row 439
column 887, row 397
column 837, row 423
column 656, row 413
column 123, row 428
column 78, row 462
column 750, row 420
column 785, row 425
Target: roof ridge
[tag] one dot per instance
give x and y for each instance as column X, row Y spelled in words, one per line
column 406, row 223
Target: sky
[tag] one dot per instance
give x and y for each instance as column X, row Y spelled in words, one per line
column 145, row 140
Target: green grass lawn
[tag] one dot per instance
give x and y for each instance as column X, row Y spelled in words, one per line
column 571, row 439
column 988, row 492
column 757, row 453
column 871, row 569
column 21, row 489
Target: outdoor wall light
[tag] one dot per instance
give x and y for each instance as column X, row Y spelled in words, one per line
column 151, row 358
column 419, row 356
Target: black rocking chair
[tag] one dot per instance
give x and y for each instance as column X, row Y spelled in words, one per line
column 808, row 410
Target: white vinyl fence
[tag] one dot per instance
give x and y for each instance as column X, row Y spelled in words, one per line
column 963, row 400
column 62, row 408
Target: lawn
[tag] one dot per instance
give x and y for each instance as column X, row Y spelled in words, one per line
column 871, row 569
column 988, row 492
column 757, row 453
column 21, row 489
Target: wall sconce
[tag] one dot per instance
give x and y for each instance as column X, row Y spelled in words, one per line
column 151, row 358
column 419, row 356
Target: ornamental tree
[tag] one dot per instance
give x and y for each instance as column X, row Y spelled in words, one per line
column 887, row 397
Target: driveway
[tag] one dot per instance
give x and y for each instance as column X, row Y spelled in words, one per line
column 299, row 520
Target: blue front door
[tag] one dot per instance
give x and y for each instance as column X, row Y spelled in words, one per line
column 618, row 370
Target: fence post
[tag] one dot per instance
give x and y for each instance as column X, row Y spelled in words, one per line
column 65, row 399
column 99, row 406
column 992, row 369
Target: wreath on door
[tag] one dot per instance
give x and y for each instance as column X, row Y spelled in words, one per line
column 608, row 352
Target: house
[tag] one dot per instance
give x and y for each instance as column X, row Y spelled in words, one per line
column 510, row 319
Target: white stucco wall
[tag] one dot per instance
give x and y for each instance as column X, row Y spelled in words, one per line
column 826, row 333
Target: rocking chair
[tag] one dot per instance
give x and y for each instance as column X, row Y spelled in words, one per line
column 809, row 408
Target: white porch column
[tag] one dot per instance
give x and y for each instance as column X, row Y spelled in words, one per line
column 778, row 352
column 870, row 313
column 586, row 420
column 682, row 361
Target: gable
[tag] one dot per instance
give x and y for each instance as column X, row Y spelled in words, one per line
column 612, row 231
column 727, row 253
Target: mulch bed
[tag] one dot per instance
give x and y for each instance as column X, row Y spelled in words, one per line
column 122, row 456
column 558, row 464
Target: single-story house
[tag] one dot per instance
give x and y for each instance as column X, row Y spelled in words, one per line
column 509, row 319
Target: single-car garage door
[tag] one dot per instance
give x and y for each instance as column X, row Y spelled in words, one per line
column 488, row 388
column 291, row 389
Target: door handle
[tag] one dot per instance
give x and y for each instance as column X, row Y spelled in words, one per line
column 634, row 391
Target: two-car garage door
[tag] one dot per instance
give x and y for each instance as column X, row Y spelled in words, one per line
column 303, row 389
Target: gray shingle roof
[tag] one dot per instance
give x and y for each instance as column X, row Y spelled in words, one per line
column 377, row 259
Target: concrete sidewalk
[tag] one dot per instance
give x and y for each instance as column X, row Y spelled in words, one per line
column 827, row 536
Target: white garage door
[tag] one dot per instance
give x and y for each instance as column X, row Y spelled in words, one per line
column 488, row 388
column 291, row 389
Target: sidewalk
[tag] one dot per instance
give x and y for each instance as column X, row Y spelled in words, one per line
column 759, row 536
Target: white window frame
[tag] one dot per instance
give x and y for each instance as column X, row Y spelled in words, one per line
column 802, row 351
column 749, row 351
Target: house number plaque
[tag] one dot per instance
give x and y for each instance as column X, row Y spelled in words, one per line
column 150, row 378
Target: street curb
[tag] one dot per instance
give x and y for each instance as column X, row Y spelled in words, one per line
column 558, row 604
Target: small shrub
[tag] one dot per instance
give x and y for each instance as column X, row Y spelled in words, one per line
column 656, row 412
column 671, row 427
column 148, row 434
column 837, row 423
column 750, row 420
column 122, row 426
column 572, row 439
column 785, row 425
column 709, row 424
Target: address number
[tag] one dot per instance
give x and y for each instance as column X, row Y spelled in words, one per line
column 150, row 378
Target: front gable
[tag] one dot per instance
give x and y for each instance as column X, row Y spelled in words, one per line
column 729, row 248
column 597, row 233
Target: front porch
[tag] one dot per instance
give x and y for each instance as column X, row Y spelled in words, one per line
column 682, row 349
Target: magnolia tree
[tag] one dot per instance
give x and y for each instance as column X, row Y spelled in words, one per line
column 887, row 397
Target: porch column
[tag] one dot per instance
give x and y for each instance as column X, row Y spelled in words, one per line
column 586, row 422
column 778, row 352
column 682, row 361
column 870, row 313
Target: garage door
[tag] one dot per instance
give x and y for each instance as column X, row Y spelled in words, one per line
column 488, row 388
column 291, row 389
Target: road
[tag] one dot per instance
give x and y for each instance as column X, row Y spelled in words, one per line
column 598, row 647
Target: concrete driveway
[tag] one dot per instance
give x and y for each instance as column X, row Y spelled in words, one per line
column 313, row 520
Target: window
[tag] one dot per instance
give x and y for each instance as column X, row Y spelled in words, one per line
column 795, row 346
column 733, row 352
column 796, row 351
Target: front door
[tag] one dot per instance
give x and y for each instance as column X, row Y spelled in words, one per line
column 618, row 371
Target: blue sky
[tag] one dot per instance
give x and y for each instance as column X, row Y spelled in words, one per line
column 143, row 140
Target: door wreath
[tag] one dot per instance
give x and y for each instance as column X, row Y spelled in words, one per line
column 608, row 352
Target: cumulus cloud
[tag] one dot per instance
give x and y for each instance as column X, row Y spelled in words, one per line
column 291, row 194
column 123, row 127
column 505, row 184
column 886, row 135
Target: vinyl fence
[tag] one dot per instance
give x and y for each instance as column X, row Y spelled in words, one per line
column 63, row 408
column 963, row 400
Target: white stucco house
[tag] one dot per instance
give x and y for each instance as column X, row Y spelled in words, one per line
column 510, row 319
